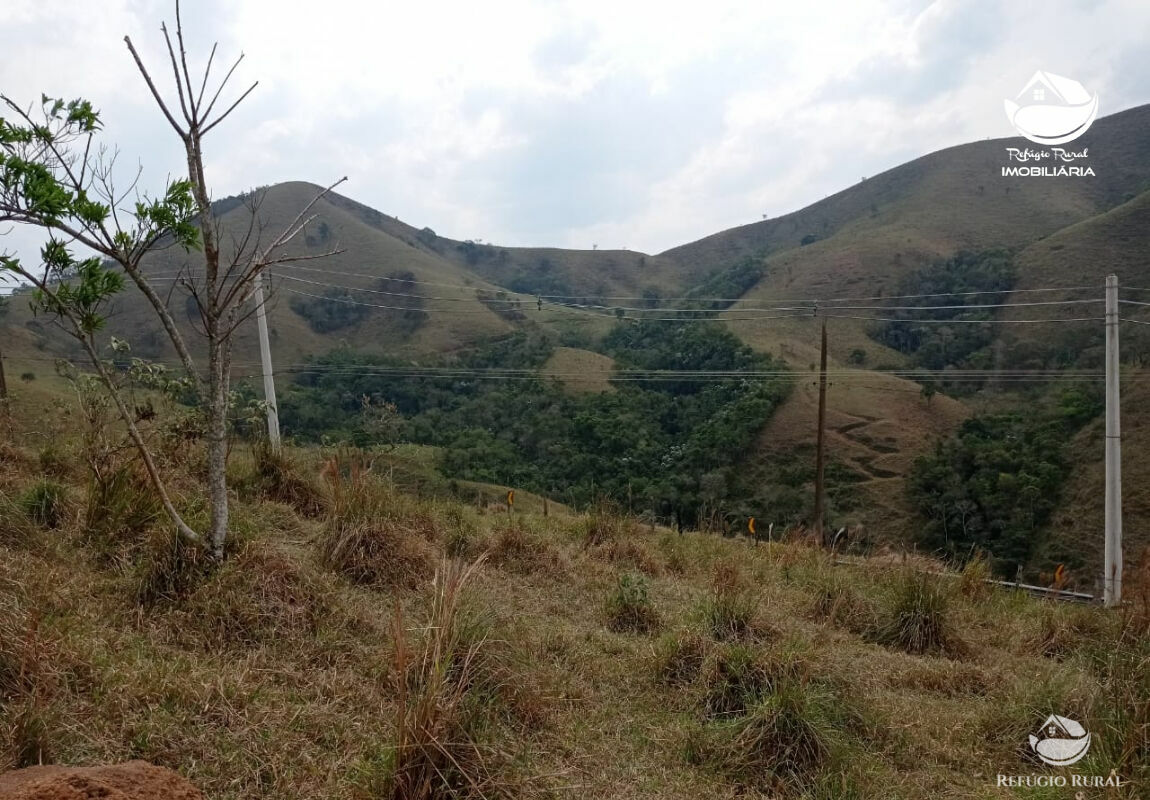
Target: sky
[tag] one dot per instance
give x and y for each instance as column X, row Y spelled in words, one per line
column 573, row 123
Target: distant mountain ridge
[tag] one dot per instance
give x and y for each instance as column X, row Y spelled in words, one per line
column 861, row 241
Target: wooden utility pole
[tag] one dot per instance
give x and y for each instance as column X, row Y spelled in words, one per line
column 820, row 487
column 1112, row 579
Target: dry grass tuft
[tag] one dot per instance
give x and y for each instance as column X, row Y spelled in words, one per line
column 782, row 744
column 730, row 610
column 918, row 619
column 121, row 507
column 279, row 477
column 629, row 606
column 29, row 675
column 259, row 596
column 377, row 536
column 15, row 527
column 1066, row 628
column 679, row 657
column 447, row 687
column 836, row 601
column 629, row 552
column 168, row 568
column 601, row 527
column 972, row 581
column 516, row 548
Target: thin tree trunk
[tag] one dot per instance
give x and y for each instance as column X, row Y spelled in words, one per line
column 218, row 443
column 141, row 445
column 5, row 412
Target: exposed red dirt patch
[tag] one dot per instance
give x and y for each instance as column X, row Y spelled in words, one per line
column 135, row 780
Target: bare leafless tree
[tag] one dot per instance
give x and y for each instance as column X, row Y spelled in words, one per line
column 61, row 148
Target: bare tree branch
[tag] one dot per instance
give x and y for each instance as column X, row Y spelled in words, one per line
column 176, row 74
column 231, row 108
column 152, row 87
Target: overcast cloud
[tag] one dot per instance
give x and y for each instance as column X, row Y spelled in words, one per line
column 568, row 123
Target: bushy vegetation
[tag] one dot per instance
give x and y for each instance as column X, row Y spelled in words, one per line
column 993, row 485
column 963, row 342
column 663, row 445
column 335, row 310
column 728, row 284
column 918, row 619
column 45, row 504
column 393, row 300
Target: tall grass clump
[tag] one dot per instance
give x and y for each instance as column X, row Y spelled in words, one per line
column 45, row 504
column 277, row 476
column 973, row 581
column 784, row 744
column 374, row 535
column 15, row 527
column 447, row 689
column 27, row 678
column 120, row 507
column 836, row 601
column 680, row 656
column 1122, row 715
column 730, row 608
column 629, row 606
column 918, row 619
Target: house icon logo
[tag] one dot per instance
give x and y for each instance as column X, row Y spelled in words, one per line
column 1060, row 741
column 1051, row 109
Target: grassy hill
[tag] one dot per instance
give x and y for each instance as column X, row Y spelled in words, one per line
column 585, row 655
column 863, row 241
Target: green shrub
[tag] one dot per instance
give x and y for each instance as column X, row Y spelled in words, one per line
column 45, row 504
column 629, row 608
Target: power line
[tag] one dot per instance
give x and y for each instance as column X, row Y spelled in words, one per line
column 797, row 311
column 696, row 298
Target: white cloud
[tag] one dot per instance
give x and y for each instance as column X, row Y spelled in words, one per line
column 567, row 122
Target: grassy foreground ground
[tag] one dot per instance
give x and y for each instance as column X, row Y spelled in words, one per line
column 361, row 641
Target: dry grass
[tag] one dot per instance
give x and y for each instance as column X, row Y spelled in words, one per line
column 273, row 676
column 515, row 547
column 918, row 618
column 279, row 476
column 730, row 611
column 679, row 657
column 375, row 535
column 629, row 606
column 447, row 689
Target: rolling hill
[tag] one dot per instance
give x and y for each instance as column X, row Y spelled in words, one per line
column 862, row 241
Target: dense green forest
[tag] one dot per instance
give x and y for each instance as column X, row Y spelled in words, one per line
column 962, row 337
column 661, row 445
column 992, row 486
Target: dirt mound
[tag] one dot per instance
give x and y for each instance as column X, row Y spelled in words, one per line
column 135, row 780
